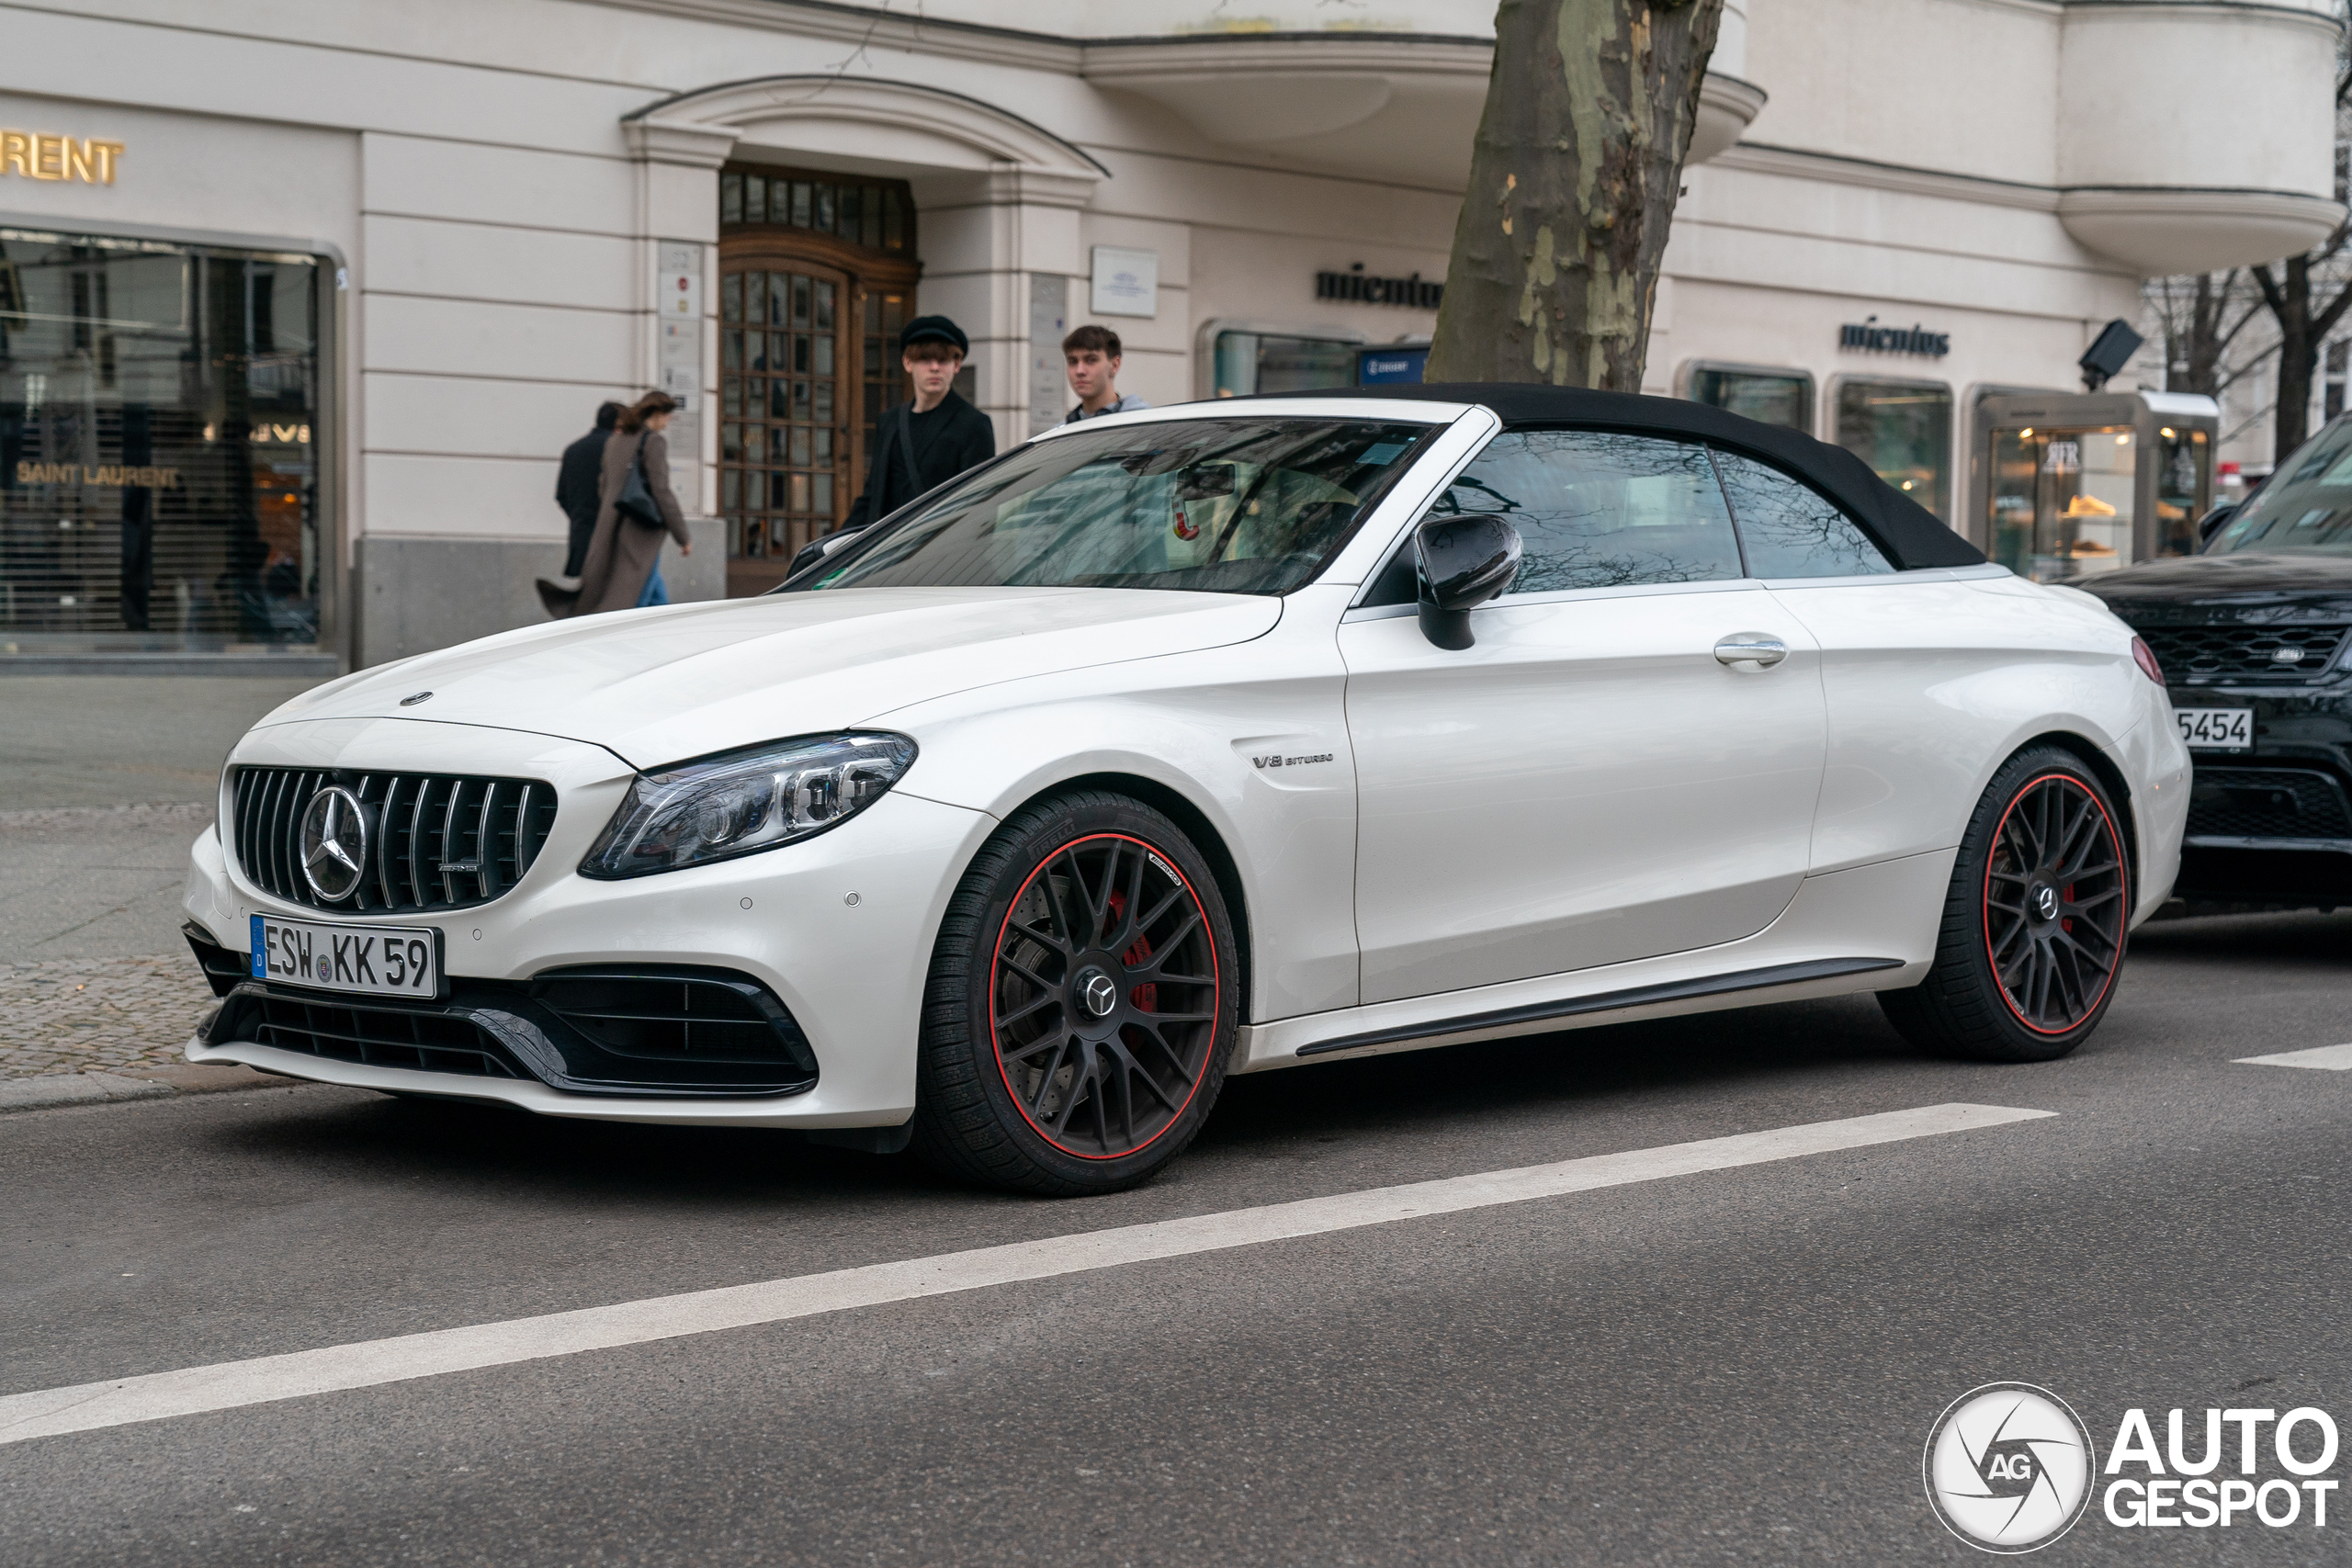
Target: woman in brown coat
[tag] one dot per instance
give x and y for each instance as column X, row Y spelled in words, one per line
column 626, row 547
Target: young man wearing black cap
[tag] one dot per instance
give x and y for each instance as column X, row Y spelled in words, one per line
column 922, row 445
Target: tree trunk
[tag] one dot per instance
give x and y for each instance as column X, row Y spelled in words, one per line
column 2288, row 295
column 2202, row 349
column 1573, row 182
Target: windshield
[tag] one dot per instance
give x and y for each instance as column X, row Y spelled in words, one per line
column 1240, row 505
column 2305, row 509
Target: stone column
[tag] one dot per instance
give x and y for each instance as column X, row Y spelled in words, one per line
column 677, row 234
column 983, row 241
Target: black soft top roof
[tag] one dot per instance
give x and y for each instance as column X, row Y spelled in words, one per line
column 1908, row 532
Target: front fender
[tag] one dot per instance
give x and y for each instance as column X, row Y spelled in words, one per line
column 1253, row 736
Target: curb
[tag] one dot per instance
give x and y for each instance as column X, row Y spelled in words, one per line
column 146, row 1083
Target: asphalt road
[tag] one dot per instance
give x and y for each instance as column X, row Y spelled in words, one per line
column 1741, row 1365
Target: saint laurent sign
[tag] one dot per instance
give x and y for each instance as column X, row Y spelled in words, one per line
column 99, row 476
column 30, row 155
column 1365, row 290
column 1914, row 338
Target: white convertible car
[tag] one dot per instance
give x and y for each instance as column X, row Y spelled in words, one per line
column 1233, row 736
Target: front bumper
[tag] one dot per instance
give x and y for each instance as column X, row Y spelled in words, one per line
column 839, row 928
column 2272, row 827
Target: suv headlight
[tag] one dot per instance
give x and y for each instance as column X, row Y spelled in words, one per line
column 740, row 803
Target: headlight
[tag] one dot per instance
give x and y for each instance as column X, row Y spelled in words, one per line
column 740, row 803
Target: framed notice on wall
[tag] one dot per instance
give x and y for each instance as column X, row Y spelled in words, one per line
column 677, row 361
column 1126, row 283
column 677, row 305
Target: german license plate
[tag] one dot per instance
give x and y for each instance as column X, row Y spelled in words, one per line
column 2216, row 729
column 375, row 961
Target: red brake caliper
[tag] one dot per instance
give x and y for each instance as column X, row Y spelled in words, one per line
column 1146, row 997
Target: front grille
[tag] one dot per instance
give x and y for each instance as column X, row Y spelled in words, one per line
column 416, row 1038
column 2243, row 653
column 435, row 841
column 2267, row 802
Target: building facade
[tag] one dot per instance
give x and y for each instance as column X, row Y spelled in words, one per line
column 299, row 303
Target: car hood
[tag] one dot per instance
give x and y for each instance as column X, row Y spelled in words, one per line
column 658, row 686
column 2247, row 587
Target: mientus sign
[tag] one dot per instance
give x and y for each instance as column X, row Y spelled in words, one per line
column 1362, row 287
column 1915, row 339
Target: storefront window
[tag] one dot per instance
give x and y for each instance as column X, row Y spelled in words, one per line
column 159, row 440
column 2063, row 501
column 1782, row 398
column 2184, row 489
column 1247, row 362
column 1903, row 429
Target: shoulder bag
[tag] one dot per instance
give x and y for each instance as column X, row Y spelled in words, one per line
column 635, row 501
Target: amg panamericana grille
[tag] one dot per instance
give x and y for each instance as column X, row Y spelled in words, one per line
column 435, row 841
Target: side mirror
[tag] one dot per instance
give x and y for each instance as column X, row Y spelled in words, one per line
column 1460, row 563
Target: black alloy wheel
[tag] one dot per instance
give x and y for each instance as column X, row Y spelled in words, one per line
column 1104, row 996
column 2053, row 904
column 1082, row 1002
column 2035, row 921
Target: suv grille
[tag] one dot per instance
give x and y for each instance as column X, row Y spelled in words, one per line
column 434, row 840
column 2267, row 802
column 2243, row 653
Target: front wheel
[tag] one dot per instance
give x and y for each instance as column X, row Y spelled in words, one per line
column 1082, row 1005
column 2034, row 924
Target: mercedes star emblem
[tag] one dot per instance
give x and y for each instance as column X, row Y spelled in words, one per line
column 1098, row 994
column 335, row 843
column 2045, row 903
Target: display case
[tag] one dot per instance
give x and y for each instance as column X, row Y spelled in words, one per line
column 2071, row 484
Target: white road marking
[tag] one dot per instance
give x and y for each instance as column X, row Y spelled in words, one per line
column 160, row 1396
column 2330, row 1058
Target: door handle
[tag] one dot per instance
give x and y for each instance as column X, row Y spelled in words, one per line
column 1760, row 649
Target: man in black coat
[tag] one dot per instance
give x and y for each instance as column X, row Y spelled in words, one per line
column 576, row 483
column 923, row 444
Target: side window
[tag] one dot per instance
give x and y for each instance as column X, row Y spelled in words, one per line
column 1600, row 510
column 1789, row 529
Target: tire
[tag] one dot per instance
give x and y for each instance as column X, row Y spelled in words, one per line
column 2035, row 924
column 1082, row 1005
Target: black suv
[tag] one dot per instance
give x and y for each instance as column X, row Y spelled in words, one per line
column 2251, row 634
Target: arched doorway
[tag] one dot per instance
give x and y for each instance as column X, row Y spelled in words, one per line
column 816, row 275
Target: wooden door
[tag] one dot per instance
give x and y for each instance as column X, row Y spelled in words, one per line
column 808, row 323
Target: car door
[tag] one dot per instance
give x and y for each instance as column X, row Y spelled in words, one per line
column 1590, row 782
column 1905, row 660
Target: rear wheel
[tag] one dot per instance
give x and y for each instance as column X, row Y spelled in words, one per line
column 1082, row 1003
column 2035, row 923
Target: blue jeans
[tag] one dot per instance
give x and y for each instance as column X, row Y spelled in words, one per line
column 656, row 591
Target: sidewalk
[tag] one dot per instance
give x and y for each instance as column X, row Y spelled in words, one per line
column 74, row 1015
column 104, row 782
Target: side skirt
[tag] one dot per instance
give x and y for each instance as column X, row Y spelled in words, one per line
column 1611, row 1001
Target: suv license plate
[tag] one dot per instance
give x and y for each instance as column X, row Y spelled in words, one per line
column 2216, row 729
column 375, row 961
